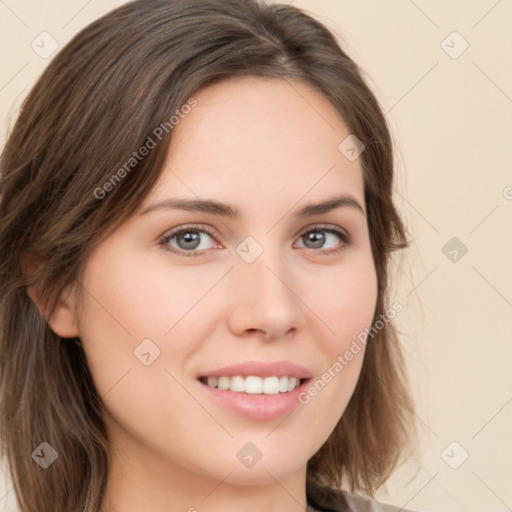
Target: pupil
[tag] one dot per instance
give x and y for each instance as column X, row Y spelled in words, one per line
column 190, row 237
column 317, row 237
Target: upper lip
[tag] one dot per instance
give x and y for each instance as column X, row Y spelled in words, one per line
column 261, row 369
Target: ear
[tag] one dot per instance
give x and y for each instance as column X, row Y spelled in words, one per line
column 63, row 321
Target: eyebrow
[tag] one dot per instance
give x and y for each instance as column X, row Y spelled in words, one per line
column 231, row 212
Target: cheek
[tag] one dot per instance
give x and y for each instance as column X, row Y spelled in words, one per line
column 346, row 307
column 135, row 297
column 346, row 302
column 128, row 300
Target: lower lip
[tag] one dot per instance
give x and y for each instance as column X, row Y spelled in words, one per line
column 257, row 407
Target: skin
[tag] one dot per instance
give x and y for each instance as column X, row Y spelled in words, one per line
column 268, row 148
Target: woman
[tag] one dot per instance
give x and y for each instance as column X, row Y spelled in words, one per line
column 197, row 224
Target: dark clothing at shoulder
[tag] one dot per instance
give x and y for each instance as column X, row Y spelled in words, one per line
column 327, row 499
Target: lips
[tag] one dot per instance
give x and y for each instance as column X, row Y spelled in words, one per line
column 260, row 369
column 266, row 398
column 252, row 405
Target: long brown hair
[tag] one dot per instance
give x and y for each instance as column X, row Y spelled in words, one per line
column 96, row 104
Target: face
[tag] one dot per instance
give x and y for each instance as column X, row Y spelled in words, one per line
column 162, row 309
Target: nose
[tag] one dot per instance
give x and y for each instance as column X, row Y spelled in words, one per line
column 263, row 298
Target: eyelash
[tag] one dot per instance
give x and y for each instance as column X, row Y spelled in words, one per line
column 164, row 241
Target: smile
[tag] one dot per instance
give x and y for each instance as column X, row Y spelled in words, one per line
column 253, row 384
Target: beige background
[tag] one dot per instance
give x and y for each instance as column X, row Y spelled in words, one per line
column 452, row 120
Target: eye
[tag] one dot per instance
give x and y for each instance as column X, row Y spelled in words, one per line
column 188, row 241
column 317, row 237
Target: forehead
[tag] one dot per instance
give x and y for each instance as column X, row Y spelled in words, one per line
column 278, row 138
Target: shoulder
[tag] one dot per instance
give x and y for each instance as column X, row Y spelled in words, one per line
column 328, row 499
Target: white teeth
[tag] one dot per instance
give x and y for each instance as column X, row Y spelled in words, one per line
column 293, row 383
column 254, row 385
column 237, row 384
column 223, row 383
column 271, row 386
